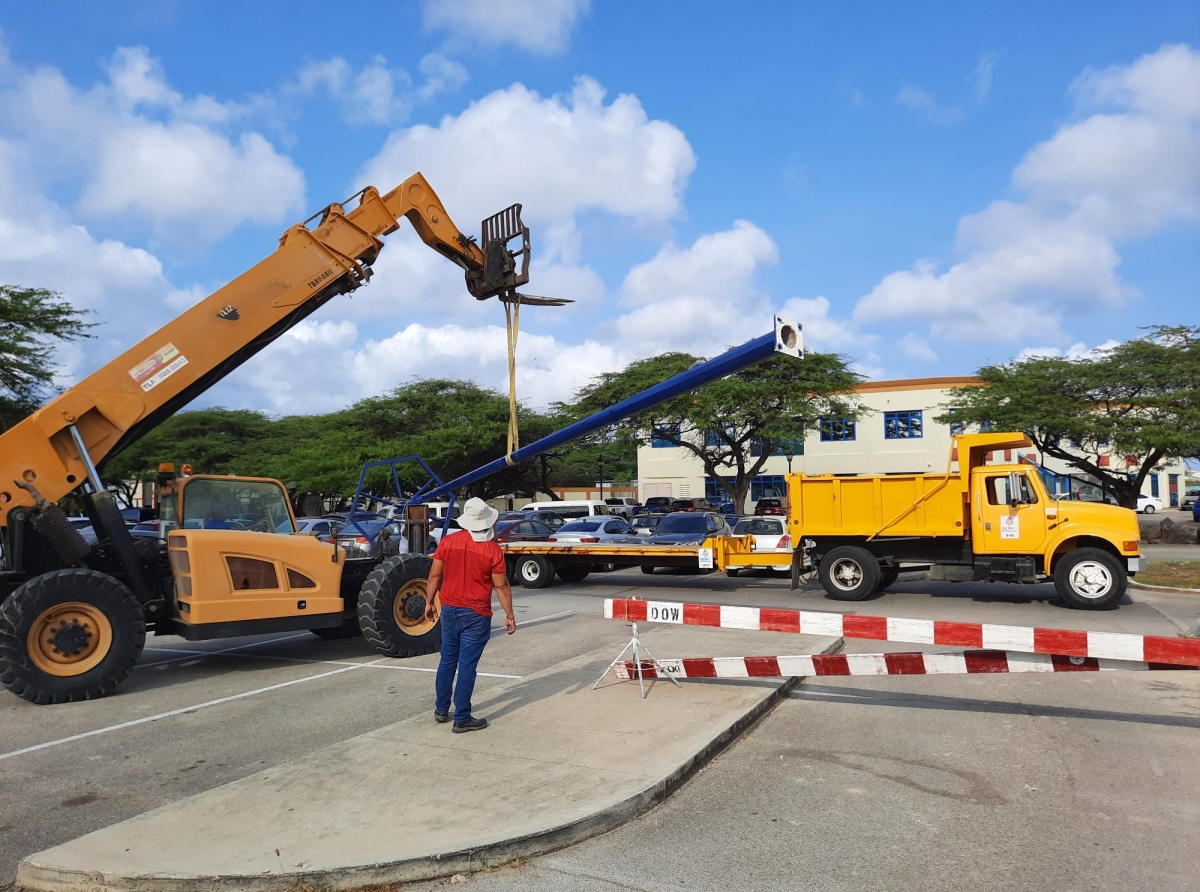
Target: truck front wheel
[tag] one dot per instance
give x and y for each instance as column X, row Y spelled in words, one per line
column 1090, row 579
column 391, row 608
column 850, row 574
column 69, row 635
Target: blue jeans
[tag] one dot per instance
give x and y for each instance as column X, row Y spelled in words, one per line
column 464, row 636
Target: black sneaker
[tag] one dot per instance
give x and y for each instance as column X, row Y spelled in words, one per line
column 470, row 725
column 441, row 717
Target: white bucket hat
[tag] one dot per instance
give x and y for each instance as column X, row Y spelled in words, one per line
column 478, row 518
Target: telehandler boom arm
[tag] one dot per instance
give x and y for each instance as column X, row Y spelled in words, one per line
column 56, row 449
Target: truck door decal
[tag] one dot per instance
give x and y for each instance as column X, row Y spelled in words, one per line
column 1010, row 526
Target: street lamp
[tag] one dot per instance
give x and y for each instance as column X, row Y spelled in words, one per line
column 789, row 455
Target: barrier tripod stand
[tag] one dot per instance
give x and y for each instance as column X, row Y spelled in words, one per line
column 639, row 649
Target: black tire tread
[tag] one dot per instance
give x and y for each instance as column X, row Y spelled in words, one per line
column 544, row 579
column 872, row 573
column 570, row 573
column 1063, row 569
column 34, row 597
column 375, row 599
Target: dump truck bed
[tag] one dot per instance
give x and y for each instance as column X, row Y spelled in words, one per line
column 877, row 505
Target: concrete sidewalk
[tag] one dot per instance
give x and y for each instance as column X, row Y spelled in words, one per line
column 413, row 801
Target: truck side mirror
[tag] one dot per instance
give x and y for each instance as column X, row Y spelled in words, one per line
column 1014, row 489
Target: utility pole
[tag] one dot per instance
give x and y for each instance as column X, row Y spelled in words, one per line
column 601, row 460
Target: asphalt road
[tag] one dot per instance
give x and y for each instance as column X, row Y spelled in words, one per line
column 1009, row 781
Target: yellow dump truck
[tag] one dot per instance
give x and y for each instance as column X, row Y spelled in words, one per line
column 982, row 523
column 986, row 523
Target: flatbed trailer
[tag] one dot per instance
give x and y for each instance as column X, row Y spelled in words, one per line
column 535, row 564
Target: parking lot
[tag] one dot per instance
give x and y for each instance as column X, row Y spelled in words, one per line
column 1089, row 780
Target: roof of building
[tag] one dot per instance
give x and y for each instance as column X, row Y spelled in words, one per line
column 943, row 383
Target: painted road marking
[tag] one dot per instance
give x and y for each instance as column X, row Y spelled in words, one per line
column 174, row 712
column 209, row 653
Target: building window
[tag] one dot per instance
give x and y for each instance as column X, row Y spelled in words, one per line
column 797, row 447
column 772, row 486
column 836, row 429
column 1154, row 485
column 658, row 436
column 712, row 439
column 714, row 492
column 902, row 425
column 957, row 428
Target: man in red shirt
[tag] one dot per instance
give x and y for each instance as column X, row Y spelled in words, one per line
column 466, row 567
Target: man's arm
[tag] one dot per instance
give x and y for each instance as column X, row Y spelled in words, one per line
column 504, row 592
column 432, row 586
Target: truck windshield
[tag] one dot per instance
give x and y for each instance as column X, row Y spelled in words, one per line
column 257, row 505
column 680, row 523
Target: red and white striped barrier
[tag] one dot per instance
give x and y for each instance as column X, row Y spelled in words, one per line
column 970, row 662
column 987, row 636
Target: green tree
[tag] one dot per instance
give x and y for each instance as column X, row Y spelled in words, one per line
column 732, row 425
column 212, row 441
column 31, row 320
column 1140, row 398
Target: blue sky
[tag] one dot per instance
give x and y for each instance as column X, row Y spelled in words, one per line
column 926, row 191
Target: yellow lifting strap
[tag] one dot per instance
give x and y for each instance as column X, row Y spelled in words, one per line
column 512, row 320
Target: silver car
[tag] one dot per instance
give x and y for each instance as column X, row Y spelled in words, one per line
column 598, row 530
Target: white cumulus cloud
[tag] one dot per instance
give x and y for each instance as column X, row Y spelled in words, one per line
column 542, row 26
column 376, row 93
column 1128, row 166
column 132, row 145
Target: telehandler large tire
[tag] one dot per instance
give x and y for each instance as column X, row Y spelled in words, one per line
column 69, row 635
column 391, row 608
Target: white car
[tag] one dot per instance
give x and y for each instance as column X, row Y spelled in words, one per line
column 770, row 536
column 1148, row 504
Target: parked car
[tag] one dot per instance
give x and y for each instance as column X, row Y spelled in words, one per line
column 1148, row 504
column 691, row 505
column 84, row 526
column 644, row 524
column 732, row 519
column 1191, row 496
column 686, row 528
column 655, row 505
column 435, row 533
column 157, row 529
column 622, row 505
column 770, row 535
column 522, row 531
column 343, row 516
column 597, row 530
column 549, row 518
column 314, row 526
column 1196, row 516
column 769, row 506
column 571, row 509
column 371, row 537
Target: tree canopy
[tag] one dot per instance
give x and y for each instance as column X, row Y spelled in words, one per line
column 455, row 426
column 732, row 425
column 1140, row 399
column 31, row 320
